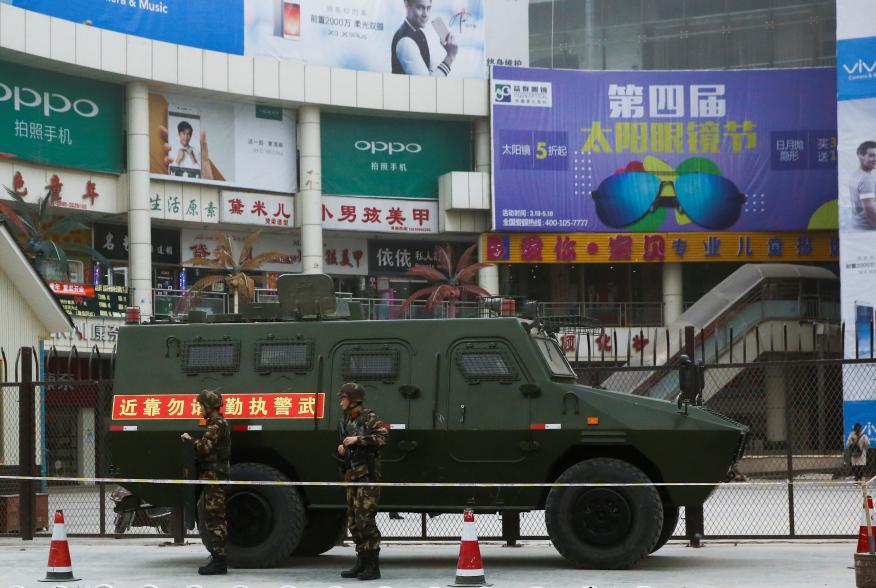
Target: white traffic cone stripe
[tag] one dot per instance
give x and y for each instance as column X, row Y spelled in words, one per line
column 469, row 533
column 477, row 572
column 58, row 570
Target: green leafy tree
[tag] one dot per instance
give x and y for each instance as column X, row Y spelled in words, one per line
column 236, row 279
column 42, row 235
column 447, row 283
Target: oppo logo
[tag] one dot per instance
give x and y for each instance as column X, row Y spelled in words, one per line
column 860, row 67
column 389, row 147
column 58, row 103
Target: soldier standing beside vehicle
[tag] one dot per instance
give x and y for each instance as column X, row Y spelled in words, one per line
column 361, row 435
column 213, row 450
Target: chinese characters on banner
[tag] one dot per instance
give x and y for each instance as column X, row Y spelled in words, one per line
column 256, row 209
column 344, row 256
column 69, row 189
column 279, row 405
column 183, row 202
column 112, row 242
column 91, row 301
column 196, row 243
column 379, row 215
column 387, row 258
column 722, row 154
column 659, row 247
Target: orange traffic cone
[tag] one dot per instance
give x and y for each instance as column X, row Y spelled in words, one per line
column 60, row 567
column 469, row 568
column 863, row 537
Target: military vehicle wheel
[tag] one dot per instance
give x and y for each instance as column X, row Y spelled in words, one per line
column 670, row 521
column 264, row 522
column 324, row 530
column 604, row 527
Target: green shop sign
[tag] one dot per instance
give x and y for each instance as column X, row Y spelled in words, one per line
column 56, row 119
column 395, row 157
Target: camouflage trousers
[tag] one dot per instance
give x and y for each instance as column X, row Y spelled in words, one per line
column 214, row 514
column 361, row 510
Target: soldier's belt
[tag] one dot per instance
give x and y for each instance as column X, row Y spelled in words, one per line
column 439, row 484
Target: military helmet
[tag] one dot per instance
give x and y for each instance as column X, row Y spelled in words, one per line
column 210, row 398
column 353, row 391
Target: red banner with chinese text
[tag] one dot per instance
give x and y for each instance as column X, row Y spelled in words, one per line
column 274, row 405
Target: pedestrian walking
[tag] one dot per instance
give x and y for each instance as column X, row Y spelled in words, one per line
column 213, row 450
column 857, row 445
column 361, row 435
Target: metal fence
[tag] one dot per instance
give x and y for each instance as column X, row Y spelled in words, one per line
column 793, row 406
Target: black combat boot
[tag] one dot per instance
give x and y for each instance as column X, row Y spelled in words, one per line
column 372, row 566
column 217, row 565
column 357, row 567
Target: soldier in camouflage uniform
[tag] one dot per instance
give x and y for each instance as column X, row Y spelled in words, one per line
column 213, row 450
column 361, row 436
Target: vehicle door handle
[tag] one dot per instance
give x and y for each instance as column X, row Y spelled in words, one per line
column 461, row 413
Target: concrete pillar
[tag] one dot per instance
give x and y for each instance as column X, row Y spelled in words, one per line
column 139, row 221
column 488, row 278
column 85, row 449
column 673, row 304
column 774, row 386
column 310, row 191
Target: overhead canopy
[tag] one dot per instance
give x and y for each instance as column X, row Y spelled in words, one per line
column 31, row 285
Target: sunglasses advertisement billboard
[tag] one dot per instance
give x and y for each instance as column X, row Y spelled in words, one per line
column 663, row 151
column 856, row 118
column 222, row 143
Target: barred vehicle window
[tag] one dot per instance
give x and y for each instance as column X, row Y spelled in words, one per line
column 371, row 365
column 284, row 356
column 485, row 365
column 215, row 356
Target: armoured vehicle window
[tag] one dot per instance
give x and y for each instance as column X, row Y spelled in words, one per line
column 555, row 358
column 216, row 356
column 283, row 356
column 485, row 365
column 371, row 365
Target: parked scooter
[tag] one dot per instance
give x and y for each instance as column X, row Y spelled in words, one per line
column 133, row 512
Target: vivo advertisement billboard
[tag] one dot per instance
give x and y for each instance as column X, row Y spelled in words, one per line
column 635, row 151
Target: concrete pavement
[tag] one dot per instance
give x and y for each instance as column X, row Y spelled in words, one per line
column 135, row 563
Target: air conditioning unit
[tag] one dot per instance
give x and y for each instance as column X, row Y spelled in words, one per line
column 76, row 271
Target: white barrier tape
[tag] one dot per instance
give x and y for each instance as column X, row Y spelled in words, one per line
column 438, row 484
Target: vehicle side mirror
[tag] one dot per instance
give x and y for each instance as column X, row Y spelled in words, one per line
column 530, row 390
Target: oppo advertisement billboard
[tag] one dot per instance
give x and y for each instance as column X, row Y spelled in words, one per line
column 440, row 37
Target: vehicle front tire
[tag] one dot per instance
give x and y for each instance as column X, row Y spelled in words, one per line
column 325, row 529
column 265, row 523
column 610, row 527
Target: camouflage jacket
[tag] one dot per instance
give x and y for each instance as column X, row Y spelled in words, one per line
column 214, row 447
column 364, row 455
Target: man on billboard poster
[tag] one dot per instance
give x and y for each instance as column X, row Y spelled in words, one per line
column 410, row 48
column 862, row 188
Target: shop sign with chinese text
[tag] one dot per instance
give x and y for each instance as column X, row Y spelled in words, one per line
column 89, row 331
column 379, row 215
column 345, row 256
column 256, row 209
column 391, row 157
column 202, row 244
column 663, row 151
column 183, row 202
column 388, row 258
column 57, row 119
column 112, row 242
column 75, row 190
column 88, row 300
column 659, row 247
column 276, row 405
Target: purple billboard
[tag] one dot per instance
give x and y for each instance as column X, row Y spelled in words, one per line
column 638, row 151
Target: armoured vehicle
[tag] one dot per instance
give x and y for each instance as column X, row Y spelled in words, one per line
column 467, row 401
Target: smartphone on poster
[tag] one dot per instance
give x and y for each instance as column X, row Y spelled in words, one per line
column 864, row 328
column 184, row 136
column 441, row 29
column 291, row 20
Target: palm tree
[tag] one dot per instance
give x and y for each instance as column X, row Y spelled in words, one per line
column 236, row 280
column 41, row 235
column 450, row 285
